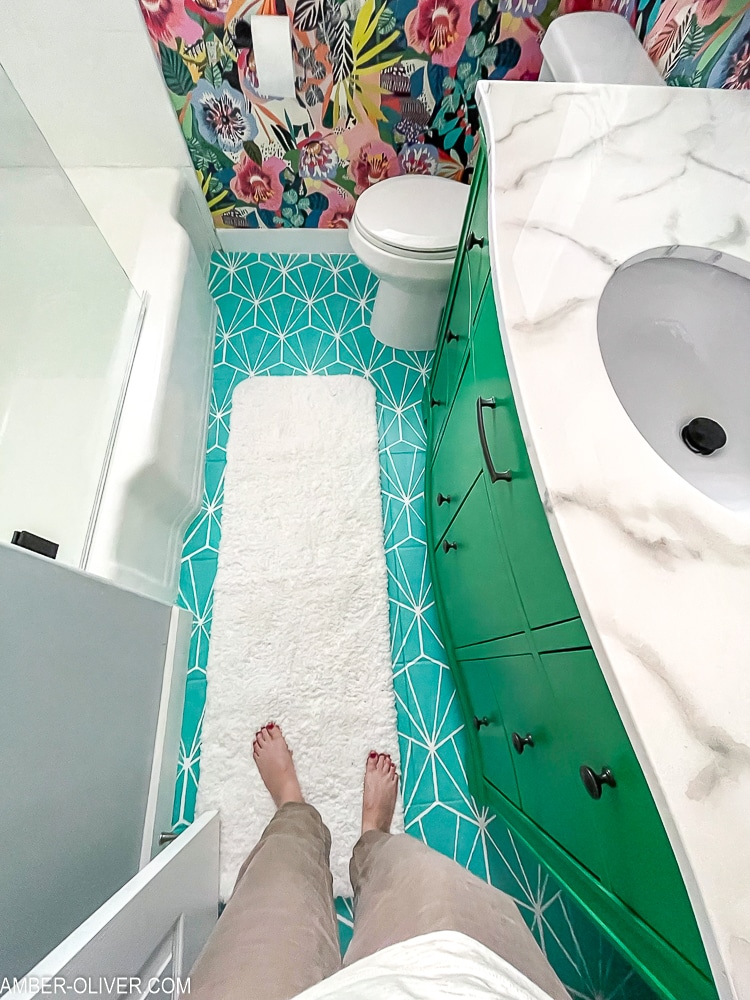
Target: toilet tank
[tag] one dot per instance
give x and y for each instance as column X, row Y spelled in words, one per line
column 595, row 47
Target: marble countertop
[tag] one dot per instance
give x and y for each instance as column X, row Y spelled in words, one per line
column 583, row 177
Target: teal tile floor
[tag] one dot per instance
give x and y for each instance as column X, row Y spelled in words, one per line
column 302, row 315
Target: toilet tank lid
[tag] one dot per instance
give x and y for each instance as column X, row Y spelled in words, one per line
column 596, row 46
column 413, row 212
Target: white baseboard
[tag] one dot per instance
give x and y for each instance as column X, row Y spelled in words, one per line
column 284, row 240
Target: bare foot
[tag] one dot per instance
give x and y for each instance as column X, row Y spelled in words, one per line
column 381, row 789
column 274, row 761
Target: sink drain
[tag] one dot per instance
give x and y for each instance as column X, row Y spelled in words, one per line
column 703, row 435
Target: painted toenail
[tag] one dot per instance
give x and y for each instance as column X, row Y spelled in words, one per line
column 270, row 725
column 373, row 755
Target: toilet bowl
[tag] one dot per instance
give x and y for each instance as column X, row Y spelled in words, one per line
column 406, row 231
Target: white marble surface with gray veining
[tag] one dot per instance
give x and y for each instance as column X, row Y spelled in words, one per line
column 581, row 179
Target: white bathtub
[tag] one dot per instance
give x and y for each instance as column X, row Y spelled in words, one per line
column 153, row 479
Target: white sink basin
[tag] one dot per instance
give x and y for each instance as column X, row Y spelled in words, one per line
column 674, row 332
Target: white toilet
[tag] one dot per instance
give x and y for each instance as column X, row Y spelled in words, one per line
column 406, row 229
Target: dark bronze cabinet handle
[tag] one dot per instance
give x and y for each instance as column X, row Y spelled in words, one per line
column 478, row 723
column 440, row 499
column 521, row 742
column 489, row 402
column 594, row 782
column 435, row 402
column 450, row 335
column 474, row 241
column 447, row 546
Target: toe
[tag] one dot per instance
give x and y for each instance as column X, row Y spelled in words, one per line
column 372, row 761
column 383, row 762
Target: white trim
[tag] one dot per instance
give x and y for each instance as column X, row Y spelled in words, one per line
column 284, row 240
column 95, row 927
column 167, row 742
column 142, row 303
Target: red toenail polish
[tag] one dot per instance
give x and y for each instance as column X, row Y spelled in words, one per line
column 270, row 725
column 372, row 754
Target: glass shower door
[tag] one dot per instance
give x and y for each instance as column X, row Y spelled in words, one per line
column 68, row 326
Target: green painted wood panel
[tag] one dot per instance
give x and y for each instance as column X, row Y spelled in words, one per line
column 509, row 645
column 496, row 762
column 458, row 461
column 477, row 238
column 640, row 866
column 473, row 576
column 546, row 772
column 537, row 569
column 452, row 357
column 564, row 635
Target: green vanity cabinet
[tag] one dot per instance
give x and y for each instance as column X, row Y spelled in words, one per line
column 516, row 501
column 550, row 790
column 640, row 867
column 548, row 750
column 473, row 574
column 485, row 717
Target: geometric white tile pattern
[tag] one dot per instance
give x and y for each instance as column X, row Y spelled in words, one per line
column 302, row 314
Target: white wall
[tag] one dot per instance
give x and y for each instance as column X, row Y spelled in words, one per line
column 81, row 676
column 87, row 72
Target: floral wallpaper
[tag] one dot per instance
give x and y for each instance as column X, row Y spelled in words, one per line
column 384, row 87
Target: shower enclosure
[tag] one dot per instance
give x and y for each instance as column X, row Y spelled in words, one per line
column 69, row 321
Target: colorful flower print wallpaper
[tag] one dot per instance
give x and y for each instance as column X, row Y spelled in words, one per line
column 383, row 87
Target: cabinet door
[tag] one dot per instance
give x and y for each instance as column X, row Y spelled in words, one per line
column 537, row 569
column 640, row 866
column 458, row 461
column 452, row 356
column 548, row 783
column 477, row 244
column 486, row 719
column 475, row 583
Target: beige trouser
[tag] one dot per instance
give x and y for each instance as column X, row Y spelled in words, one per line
column 278, row 933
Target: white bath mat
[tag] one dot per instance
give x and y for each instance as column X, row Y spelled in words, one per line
column 300, row 630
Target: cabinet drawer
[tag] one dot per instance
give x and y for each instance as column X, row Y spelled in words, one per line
column 477, row 243
column 458, row 461
column 639, row 865
column 548, row 783
column 486, row 720
column 452, row 357
column 473, row 577
column 541, row 580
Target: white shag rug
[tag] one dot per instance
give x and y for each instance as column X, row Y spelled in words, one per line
column 300, row 631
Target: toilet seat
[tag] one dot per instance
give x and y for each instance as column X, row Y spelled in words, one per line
column 416, row 215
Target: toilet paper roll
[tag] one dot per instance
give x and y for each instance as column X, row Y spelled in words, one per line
column 272, row 45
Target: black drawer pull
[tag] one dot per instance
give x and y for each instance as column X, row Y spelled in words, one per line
column 521, row 742
column 490, row 402
column 450, row 335
column 593, row 782
column 478, row 723
column 474, row 241
column 435, row 402
column 447, row 546
column 440, row 499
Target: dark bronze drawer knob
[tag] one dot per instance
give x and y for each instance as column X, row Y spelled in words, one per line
column 521, row 742
column 440, row 499
column 594, row 782
column 435, row 402
column 478, row 723
column 474, row 241
column 447, row 546
column 450, row 335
